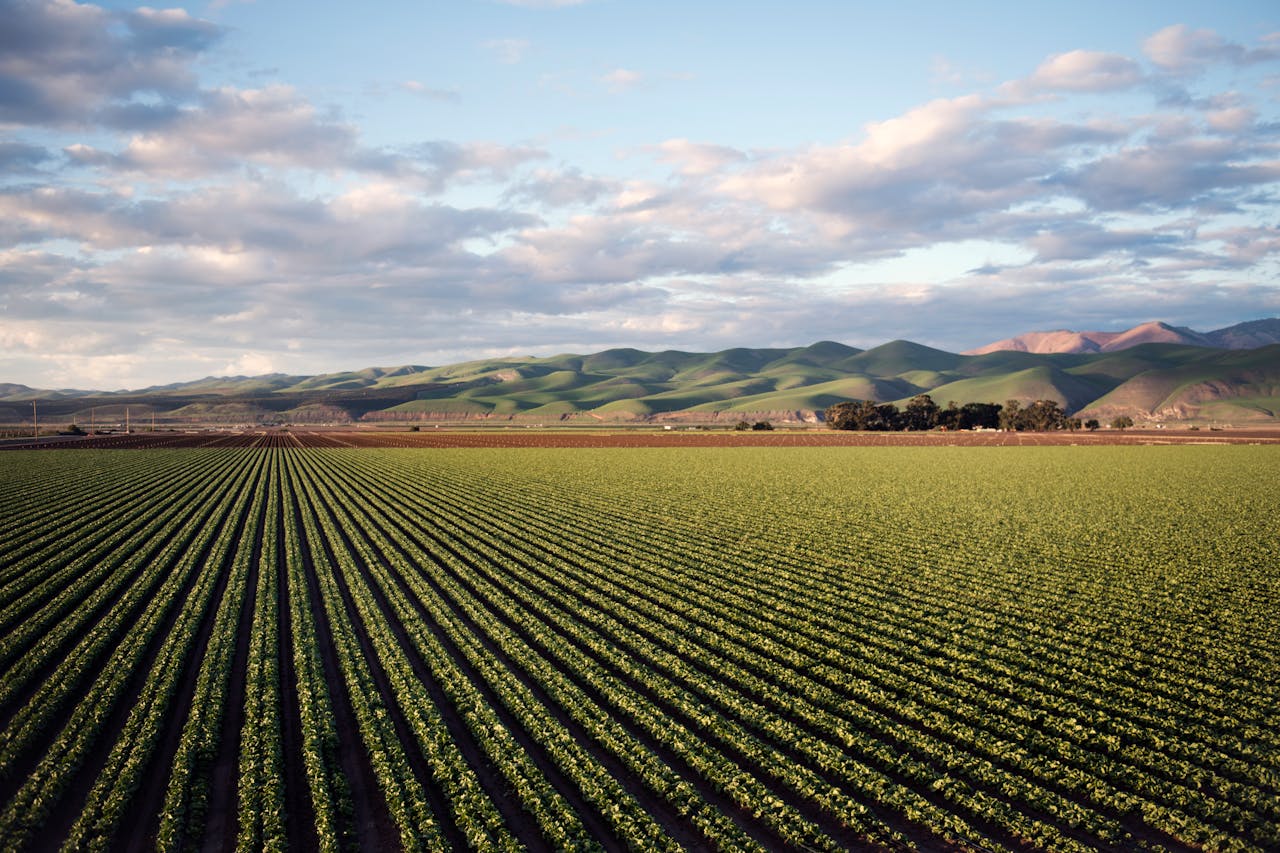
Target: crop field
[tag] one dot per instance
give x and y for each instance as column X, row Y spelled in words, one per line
column 494, row 437
column 737, row 648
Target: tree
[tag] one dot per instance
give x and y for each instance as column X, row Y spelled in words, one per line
column 862, row 415
column 838, row 416
column 1121, row 422
column 980, row 416
column 1043, row 415
column 1011, row 417
column 742, row 426
column 884, row 417
column 921, row 413
column 949, row 418
column 760, row 426
column 1092, row 424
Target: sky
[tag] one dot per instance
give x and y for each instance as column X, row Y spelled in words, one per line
column 240, row 188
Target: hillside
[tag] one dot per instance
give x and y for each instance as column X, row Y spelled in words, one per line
column 1150, row 381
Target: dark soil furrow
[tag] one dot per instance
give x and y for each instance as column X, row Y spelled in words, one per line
column 519, row 821
column 71, row 803
column 300, row 827
column 55, row 657
column 371, row 823
column 140, row 830
column 677, row 825
column 919, row 834
column 221, row 823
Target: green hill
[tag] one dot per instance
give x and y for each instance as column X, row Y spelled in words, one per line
column 1147, row 382
column 1043, row 382
column 1226, row 385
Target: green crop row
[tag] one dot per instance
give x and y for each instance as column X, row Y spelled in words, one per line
column 745, row 649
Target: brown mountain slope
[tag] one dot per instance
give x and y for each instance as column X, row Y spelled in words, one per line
column 1067, row 341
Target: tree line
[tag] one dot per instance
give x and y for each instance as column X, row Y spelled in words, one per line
column 922, row 413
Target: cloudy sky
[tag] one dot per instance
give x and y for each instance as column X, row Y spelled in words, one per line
column 307, row 186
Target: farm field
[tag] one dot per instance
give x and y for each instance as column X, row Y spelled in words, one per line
column 840, row 647
column 500, row 437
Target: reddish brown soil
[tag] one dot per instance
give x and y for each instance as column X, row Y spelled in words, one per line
column 519, row 437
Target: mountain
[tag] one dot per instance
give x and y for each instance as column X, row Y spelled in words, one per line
column 1249, row 335
column 1147, row 381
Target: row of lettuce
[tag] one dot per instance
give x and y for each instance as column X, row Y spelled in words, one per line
column 501, row 651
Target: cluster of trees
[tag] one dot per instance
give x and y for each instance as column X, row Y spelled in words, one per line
column 922, row 413
column 758, row 426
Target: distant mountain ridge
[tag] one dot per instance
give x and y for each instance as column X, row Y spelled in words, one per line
column 1255, row 333
column 1148, row 381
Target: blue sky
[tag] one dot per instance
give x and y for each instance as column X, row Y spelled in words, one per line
column 249, row 187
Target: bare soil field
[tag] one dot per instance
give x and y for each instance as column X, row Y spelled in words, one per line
column 500, row 438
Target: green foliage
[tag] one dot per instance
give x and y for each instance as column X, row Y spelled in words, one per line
column 1121, row 422
column 921, row 413
column 612, row 644
column 863, row 415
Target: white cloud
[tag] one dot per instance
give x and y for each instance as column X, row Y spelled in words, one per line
column 1085, row 71
column 273, row 126
column 698, row 158
column 249, row 364
column 1180, row 49
column 252, row 229
column 66, row 64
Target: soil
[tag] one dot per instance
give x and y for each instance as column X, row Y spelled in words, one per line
column 499, row 437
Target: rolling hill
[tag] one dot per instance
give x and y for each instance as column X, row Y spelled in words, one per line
column 1148, row 381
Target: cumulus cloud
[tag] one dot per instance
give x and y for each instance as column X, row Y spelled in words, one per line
column 274, row 126
column 1192, row 172
column 1085, row 71
column 948, row 170
column 63, row 63
column 21, row 158
column 207, row 221
column 249, row 364
column 250, row 230
column 472, row 160
column 698, row 158
column 560, row 188
column 1180, row 49
column 1085, row 241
